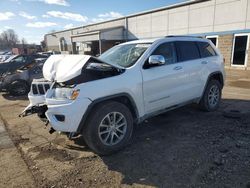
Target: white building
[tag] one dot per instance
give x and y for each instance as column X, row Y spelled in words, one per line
column 225, row 22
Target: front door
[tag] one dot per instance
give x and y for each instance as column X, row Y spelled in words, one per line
column 239, row 56
column 163, row 84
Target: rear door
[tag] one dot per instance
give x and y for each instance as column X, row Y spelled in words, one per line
column 209, row 58
column 193, row 65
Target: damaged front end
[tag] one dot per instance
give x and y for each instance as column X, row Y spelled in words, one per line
column 39, row 88
column 59, row 98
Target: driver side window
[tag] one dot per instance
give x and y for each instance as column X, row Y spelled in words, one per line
column 167, row 50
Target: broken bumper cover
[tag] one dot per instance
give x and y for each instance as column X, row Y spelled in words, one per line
column 39, row 110
column 66, row 117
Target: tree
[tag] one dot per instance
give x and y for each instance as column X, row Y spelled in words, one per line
column 8, row 39
column 24, row 41
column 43, row 45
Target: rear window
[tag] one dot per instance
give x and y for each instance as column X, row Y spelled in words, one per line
column 206, row 49
column 187, row 50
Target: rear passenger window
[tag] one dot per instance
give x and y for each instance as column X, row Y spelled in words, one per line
column 187, row 50
column 206, row 49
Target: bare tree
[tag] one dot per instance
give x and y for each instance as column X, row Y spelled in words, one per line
column 8, row 39
column 44, row 45
column 24, row 41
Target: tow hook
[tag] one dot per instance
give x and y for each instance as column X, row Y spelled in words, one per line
column 51, row 131
column 33, row 110
column 46, row 123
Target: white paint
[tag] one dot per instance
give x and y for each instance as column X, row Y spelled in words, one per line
column 152, row 90
column 62, row 68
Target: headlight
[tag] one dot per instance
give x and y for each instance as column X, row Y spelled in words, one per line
column 66, row 93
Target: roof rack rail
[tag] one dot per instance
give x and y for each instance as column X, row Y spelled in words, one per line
column 169, row 36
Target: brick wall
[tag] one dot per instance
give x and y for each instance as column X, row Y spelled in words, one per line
column 225, row 45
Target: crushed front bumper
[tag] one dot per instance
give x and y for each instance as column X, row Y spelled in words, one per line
column 39, row 110
column 66, row 117
column 63, row 116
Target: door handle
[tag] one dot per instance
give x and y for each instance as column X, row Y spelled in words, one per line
column 178, row 68
column 204, row 62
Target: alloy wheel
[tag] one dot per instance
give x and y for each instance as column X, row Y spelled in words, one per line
column 112, row 128
column 213, row 96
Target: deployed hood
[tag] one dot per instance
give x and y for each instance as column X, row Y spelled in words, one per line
column 61, row 68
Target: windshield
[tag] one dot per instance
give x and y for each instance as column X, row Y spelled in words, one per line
column 10, row 58
column 124, row 55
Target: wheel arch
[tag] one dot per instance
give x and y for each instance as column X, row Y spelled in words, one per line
column 214, row 75
column 123, row 98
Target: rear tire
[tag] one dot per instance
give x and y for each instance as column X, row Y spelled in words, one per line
column 211, row 98
column 19, row 88
column 109, row 128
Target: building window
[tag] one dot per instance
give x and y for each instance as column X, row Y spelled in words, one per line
column 240, row 47
column 214, row 39
column 63, row 44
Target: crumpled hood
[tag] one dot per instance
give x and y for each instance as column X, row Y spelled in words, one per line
column 62, row 68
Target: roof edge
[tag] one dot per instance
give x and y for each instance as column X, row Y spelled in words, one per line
column 176, row 5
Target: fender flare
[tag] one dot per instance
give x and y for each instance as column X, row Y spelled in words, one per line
column 209, row 78
column 106, row 98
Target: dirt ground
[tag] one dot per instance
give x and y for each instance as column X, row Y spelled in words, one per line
column 181, row 148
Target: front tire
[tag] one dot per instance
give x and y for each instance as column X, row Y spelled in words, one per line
column 212, row 96
column 109, row 128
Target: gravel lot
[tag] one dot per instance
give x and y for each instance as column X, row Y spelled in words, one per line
column 181, row 148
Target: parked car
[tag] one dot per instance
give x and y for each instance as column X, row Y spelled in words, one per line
column 49, row 53
column 101, row 98
column 17, row 73
column 4, row 56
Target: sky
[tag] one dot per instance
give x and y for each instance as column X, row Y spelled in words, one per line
column 31, row 19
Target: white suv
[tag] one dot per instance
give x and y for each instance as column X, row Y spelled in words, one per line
column 102, row 98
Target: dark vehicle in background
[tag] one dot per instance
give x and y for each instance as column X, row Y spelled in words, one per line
column 17, row 73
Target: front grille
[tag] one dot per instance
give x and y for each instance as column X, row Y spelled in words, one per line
column 34, row 89
column 39, row 88
column 46, row 86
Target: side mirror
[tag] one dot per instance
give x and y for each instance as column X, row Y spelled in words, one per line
column 156, row 60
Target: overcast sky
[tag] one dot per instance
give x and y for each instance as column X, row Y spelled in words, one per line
column 32, row 19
